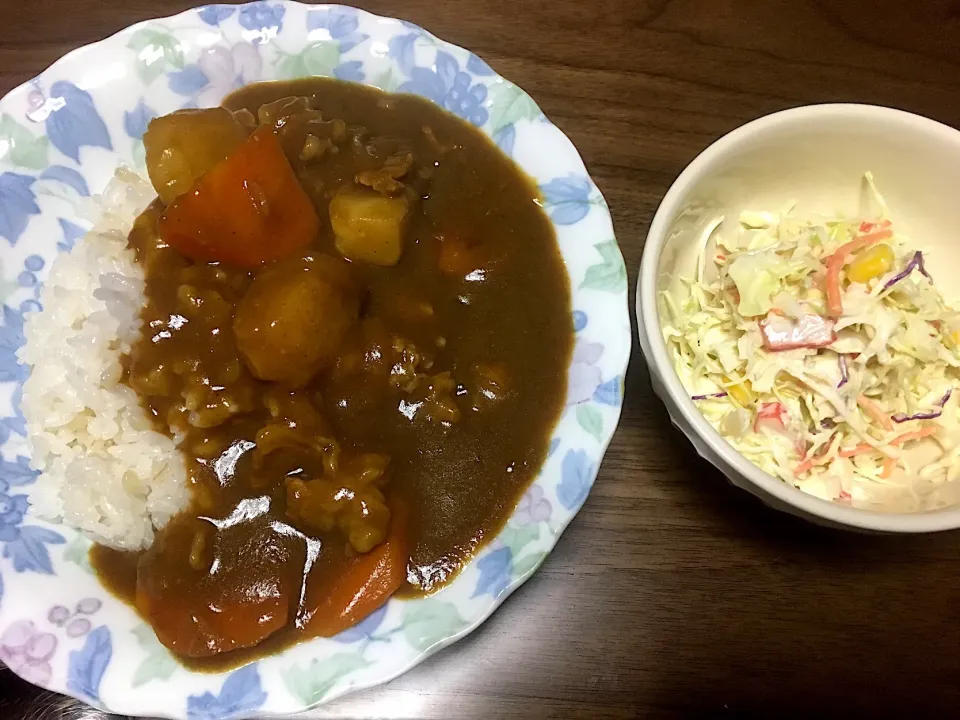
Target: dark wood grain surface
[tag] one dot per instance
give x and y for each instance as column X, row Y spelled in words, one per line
column 671, row 593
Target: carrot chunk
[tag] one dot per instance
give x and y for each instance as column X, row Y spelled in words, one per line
column 246, row 211
column 364, row 585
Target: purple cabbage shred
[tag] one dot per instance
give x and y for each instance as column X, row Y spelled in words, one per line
column 921, row 268
column 932, row 415
column 901, row 418
column 844, row 374
column 709, row 396
column 916, row 263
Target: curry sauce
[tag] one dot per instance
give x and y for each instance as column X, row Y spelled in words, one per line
column 385, row 391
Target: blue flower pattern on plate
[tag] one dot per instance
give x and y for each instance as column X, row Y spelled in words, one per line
column 263, row 16
column 16, row 423
column 350, row 71
column 88, row 664
column 402, row 49
column 17, row 203
column 363, row 630
column 609, row 393
column 188, row 81
column 250, row 43
column 240, row 694
column 579, row 320
column 67, row 176
column 135, row 121
column 213, row 15
column 31, row 266
column 11, row 338
column 71, row 233
column 554, row 444
column 24, row 545
column 76, row 122
column 477, row 66
column 449, row 87
column 28, row 550
column 495, row 570
column 505, row 138
column 12, row 509
column 341, row 23
column 576, row 477
column 567, row 199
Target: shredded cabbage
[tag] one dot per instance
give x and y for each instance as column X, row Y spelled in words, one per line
column 865, row 416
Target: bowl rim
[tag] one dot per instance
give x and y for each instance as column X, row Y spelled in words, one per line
column 654, row 347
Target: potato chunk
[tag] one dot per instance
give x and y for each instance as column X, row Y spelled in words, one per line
column 291, row 322
column 369, row 227
column 182, row 146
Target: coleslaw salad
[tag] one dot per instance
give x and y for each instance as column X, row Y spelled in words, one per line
column 822, row 350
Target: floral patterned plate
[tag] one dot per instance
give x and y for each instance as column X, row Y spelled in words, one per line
column 61, row 137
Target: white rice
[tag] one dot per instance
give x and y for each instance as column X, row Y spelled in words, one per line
column 103, row 469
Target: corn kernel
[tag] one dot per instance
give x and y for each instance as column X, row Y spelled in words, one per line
column 741, row 392
column 870, row 263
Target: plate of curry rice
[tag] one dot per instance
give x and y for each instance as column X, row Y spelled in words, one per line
column 314, row 335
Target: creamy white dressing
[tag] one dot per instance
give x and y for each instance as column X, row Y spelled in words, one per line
column 759, row 288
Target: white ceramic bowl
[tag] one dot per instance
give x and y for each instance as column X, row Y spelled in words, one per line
column 815, row 156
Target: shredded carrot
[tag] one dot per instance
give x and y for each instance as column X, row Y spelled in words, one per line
column 818, row 458
column 874, row 411
column 915, row 435
column 836, row 262
column 832, row 284
column 862, row 242
column 864, row 448
column 860, row 449
column 888, row 465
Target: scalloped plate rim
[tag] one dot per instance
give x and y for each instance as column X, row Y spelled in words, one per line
column 77, row 57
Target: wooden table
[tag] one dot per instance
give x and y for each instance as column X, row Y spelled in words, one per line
column 671, row 593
